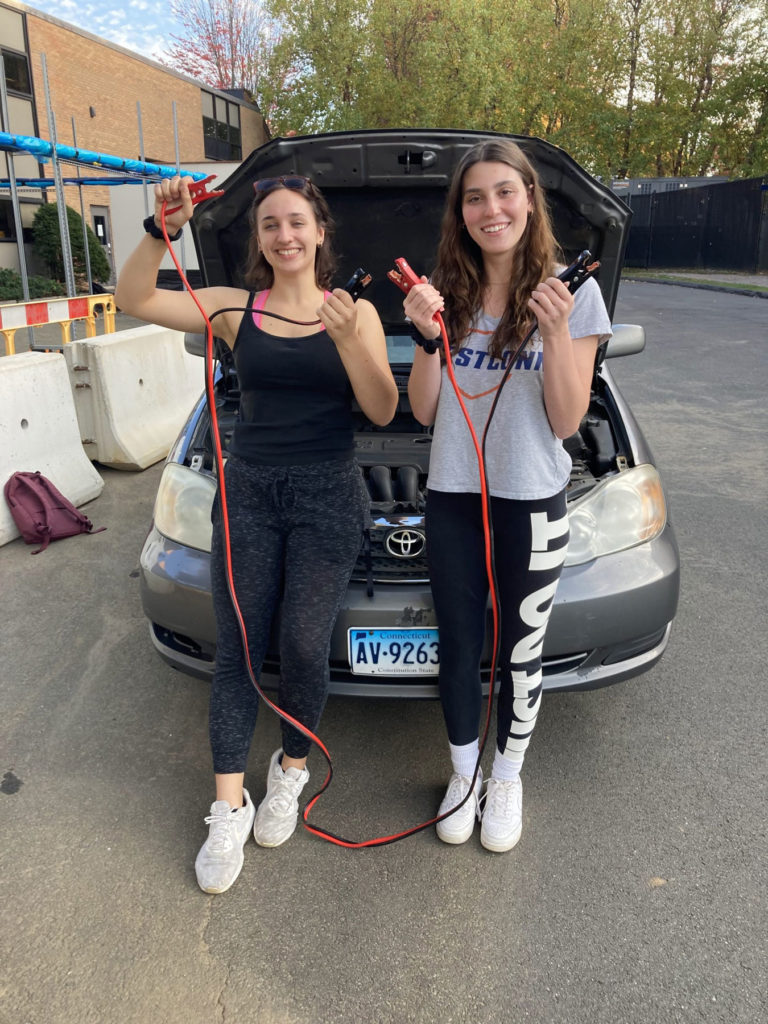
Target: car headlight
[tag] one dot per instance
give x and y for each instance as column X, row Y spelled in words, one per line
column 626, row 510
column 183, row 506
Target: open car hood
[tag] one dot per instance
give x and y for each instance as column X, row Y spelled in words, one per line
column 386, row 190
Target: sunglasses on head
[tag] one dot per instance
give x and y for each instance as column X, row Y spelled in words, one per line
column 295, row 181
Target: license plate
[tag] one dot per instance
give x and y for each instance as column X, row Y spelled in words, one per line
column 393, row 652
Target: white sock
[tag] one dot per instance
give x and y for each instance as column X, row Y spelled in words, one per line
column 504, row 768
column 464, row 758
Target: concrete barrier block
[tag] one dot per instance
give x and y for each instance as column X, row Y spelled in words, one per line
column 133, row 393
column 39, row 430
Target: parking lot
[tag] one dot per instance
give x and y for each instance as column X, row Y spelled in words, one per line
column 637, row 892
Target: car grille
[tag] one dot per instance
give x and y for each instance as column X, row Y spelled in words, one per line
column 551, row 668
column 375, row 564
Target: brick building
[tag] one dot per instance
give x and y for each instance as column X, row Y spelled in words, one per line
column 100, row 86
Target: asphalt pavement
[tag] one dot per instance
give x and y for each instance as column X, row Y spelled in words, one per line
column 637, row 892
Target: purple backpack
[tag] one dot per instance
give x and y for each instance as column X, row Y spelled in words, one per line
column 41, row 512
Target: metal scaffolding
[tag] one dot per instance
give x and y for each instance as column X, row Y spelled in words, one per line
column 124, row 171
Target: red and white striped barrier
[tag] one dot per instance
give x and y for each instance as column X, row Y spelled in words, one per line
column 17, row 315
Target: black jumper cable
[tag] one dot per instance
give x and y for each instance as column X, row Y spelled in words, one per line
column 404, row 278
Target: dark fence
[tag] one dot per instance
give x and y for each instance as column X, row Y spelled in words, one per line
column 711, row 227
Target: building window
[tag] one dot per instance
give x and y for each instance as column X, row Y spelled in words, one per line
column 100, row 228
column 8, row 224
column 221, row 128
column 7, row 227
column 17, row 77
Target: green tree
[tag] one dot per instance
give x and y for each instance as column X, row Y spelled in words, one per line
column 318, row 66
column 47, row 242
column 683, row 66
column 505, row 65
column 740, row 135
column 634, row 87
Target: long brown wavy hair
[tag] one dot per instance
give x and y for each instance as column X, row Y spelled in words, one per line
column 460, row 274
column 258, row 273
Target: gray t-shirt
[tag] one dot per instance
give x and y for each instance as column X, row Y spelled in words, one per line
column 524, row 458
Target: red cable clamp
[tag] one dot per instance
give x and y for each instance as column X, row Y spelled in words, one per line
column 198, row 194
column 404, row 277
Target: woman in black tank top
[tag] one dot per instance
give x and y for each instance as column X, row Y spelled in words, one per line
column 297, row 505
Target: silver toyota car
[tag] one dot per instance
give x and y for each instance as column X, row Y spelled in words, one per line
column 619, row 589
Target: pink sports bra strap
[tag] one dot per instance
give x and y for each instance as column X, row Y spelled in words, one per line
column 259, row 304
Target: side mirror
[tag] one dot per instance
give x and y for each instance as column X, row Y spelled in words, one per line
column 626, row 340
column 195, row 344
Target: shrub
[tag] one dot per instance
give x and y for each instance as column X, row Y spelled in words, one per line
column 47, row 242
column 10, row 285
column 39, row 287
column 44, row 287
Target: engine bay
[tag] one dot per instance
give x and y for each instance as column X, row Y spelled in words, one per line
column 394, row 461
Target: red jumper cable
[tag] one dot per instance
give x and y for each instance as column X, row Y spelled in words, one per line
column 405, row 278
column 200, row 195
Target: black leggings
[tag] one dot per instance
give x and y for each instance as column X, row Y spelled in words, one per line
column 530, row 538
column 295, row 534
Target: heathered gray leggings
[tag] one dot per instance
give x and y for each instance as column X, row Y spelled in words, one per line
column 295, row 531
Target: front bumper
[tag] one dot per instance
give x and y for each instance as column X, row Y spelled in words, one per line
column 611, row 619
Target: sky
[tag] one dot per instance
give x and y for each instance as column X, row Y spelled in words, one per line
column 141, row 25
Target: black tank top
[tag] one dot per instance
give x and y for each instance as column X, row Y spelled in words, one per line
column 295, row 398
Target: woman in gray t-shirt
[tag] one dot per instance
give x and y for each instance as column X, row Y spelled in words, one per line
column 495, row 276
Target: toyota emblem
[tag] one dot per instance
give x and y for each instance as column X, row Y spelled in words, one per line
column 405, row 543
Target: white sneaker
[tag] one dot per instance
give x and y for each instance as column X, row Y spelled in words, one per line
column 458, row 827
column 279, row 810
column 502, row 814
column 221, row 856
